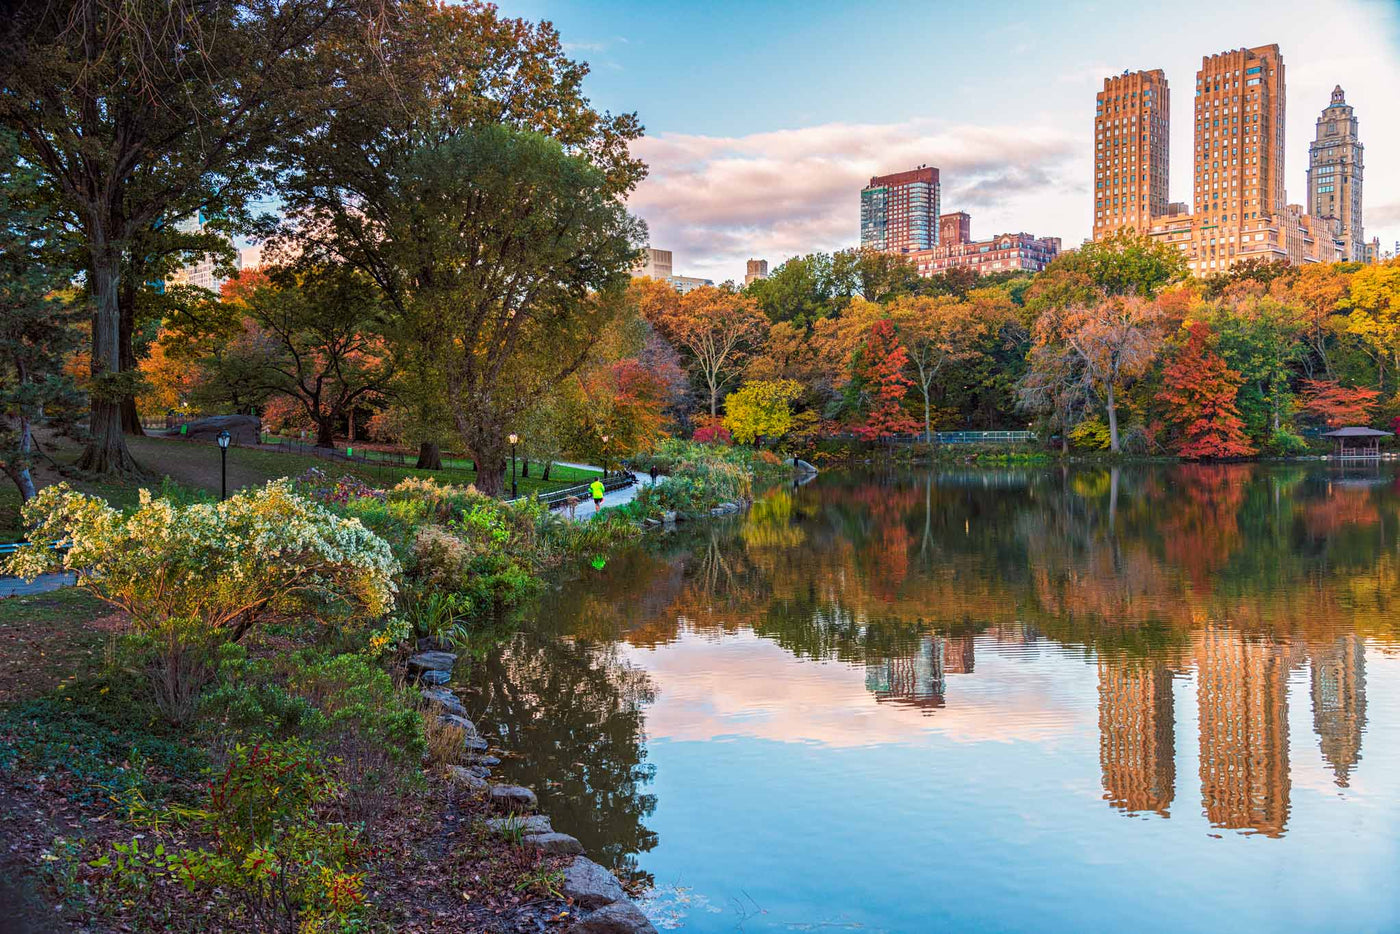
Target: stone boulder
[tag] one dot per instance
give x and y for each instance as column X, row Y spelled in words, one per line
column 590, row 885
column 553, row 843
column 513, row 797
column 528, row 824
column 621, row 917
column 434, row 677
column 243, row 429
column 445, row 700
column 468, row 779
column 432, row 661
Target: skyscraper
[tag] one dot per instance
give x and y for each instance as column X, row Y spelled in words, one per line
column 1335, row 163
column 1132, row 123
column 899, row 212
column 1240, row 209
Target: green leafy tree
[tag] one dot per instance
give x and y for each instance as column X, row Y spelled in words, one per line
column 37, row 325
column 140, row 114
column 1125, row 263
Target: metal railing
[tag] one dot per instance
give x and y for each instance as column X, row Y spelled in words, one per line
column 969, row 437
column 556, row 498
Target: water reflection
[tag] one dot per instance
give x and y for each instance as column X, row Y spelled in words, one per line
column 975, row 607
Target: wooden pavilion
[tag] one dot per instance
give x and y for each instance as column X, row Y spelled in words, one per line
column 1354, row 441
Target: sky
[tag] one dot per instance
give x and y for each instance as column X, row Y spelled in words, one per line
column 764, row 119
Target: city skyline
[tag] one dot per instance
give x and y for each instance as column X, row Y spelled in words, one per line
column 758, row 143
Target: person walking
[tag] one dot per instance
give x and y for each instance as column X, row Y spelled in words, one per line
column 653, row 473
column 597, row 489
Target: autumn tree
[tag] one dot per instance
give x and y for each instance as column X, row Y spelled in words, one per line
column 941, row 333
column 1337, row 405
column 1319, row 290
column 1373, row 299
column 717, row 331
column 1112, row 344
column 875, row 393
column 142, row 113
column 761, row 409
column 1199, row 390
column 324, row 330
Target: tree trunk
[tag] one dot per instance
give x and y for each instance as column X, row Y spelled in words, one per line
column 525, row 466
column 491, row 470
column 20, row 474
column 1112, row 421
column 547, row 467
column 106, row 451
column 131, row 419
column 714, row 400
column 429, row 456
column 928, row 421
column 325, row 432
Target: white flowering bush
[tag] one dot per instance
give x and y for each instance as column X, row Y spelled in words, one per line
column 216, row 569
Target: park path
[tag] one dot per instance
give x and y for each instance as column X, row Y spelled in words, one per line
column 18, row 587
column 612, row 498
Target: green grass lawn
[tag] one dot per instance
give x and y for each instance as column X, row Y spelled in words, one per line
column 194, row 465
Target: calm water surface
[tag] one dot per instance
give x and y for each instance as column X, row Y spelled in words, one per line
column 1021, row 700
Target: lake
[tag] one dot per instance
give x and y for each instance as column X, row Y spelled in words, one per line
column 1156, row 698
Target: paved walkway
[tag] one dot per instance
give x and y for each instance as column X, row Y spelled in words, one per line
column 584, row 511
column 18, row 587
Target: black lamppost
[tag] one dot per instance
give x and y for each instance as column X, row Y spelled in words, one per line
column 514, row 440
column 223, row 465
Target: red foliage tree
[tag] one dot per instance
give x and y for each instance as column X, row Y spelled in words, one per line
column 1200, row 391
column 878, row 385
column 1338, row 405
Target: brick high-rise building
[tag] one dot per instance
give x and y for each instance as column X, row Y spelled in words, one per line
column 899, row 212
column 1335, row 163
column 1240, row 211
column 1132, row 125
column 1339, row 702
column 1239, row 147
column 757, row 269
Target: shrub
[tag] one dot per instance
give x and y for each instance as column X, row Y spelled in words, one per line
column 194, row 576
column 1090, row 434
column 712, row 434
column 276, row 860
column 1284, row 443
column 259, row 555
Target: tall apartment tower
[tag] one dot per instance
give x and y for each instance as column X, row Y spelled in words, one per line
column 1132, row 123
column 899, row 212
column 1239, row 148
column 1335, row 163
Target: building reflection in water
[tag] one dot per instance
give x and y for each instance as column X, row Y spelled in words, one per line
column 1137, row 734
column 1339, row 702
column 1242, row 695
column 1242, row 703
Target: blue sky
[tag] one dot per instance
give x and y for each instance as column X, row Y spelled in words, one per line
column 764, row 119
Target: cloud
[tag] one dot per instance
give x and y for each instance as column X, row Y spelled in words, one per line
column 716, row 201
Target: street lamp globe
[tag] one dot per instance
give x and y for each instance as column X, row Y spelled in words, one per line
column 224, row 438
column 514, row 438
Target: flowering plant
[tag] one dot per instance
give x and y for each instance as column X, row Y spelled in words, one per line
column 223, row 567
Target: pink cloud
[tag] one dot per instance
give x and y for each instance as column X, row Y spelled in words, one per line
column 715, row 201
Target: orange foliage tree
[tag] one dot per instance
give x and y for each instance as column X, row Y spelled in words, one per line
column 1338, row 405
column 717, row 329
column 1200, row 391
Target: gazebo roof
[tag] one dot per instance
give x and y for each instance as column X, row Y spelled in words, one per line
column 1353, row 431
